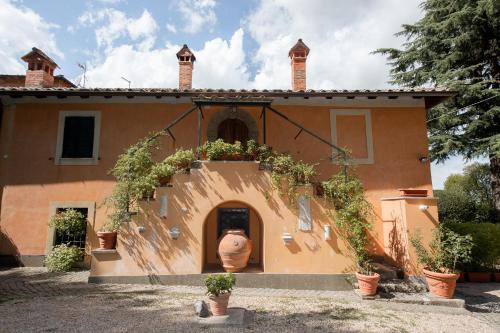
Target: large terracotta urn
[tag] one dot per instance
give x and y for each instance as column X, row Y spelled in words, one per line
column 234, row 250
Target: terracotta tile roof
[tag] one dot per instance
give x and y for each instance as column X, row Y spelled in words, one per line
column 432, row 96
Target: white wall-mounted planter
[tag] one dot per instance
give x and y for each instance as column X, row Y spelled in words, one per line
column 327, row 232
column 174, row 232
column 287, row 238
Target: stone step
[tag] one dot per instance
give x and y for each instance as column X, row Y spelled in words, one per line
column 387, row 272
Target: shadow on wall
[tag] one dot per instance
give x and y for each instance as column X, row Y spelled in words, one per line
column 11, row 256
column 155, row 240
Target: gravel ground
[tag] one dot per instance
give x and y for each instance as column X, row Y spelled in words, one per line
column 34, row 301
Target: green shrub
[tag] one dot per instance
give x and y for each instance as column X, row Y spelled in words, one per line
column 252, row 149
column 181, row 159
column 220, row 284
column 62, row 258
column 162, row 169
column 486, row 250
column 448, row 250
column 69, row 222
column 455, row 206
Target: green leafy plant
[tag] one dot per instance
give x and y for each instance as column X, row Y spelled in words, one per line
column 352, row 215
column 252, row 150
column 220, row 284
column 62, row 258
column 181, row 159
column 219, row 150
column 162, row 170
column 264, row 153
column 447, row 249
column 486, row 250
column 69, row 222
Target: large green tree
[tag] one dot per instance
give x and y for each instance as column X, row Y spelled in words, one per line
column 456, row 45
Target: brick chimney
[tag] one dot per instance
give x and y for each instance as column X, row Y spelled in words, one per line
column 186, row 60
column 298, row 53
column 40, row 71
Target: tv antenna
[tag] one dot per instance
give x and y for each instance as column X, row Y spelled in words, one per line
column 84, row 68
column 128, row 81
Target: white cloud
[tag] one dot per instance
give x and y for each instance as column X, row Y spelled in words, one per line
column 197, row 15
column 171, row 27
column 341, row 35
column 117, row 25
column 220, row 63
column 21, row 29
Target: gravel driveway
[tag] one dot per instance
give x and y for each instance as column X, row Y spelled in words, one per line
column 32, row 300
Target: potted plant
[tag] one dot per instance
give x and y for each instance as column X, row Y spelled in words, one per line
column 351, row 214
column 303, row 172
column 479, row 272
column 252, row 150
column 447, row 249
column 181, row 160
column 163, row 172
column 69, row 222
column 202, row 150
column 219, row 289
column 108, row 233
column 217, row 150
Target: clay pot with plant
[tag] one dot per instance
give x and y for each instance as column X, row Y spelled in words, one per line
column 219, row 287
column 181, row 160
column 108, row 234
column 445, row 252
column 352, row 213
column 163, row 172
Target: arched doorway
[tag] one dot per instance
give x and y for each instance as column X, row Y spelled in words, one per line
column 232, row 214
column 232, row 124
column 231, row 130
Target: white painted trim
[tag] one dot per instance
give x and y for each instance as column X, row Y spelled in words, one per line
column 60, row 135
column 54, row 205
column 368, row 131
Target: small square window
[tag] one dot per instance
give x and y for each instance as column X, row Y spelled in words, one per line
column 78, row 135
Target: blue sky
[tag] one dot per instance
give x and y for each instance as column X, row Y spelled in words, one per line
column 238, row 44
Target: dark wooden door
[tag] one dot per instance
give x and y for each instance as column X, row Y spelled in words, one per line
column 233, row 218
column 231, row 130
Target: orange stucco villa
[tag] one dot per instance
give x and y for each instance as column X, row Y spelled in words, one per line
column 58, row 143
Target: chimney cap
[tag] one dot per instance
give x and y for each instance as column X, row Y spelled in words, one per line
column 300, row 46
column 38, row 55
column 184, row 52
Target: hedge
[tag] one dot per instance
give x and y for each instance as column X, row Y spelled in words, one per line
column 486, row 250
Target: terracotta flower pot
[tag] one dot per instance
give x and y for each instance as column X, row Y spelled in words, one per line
column 496, row 275
column 479, row 277
column 234, row 250
column 408, row 192
column 218, row 304
column 164, row 180
column 107, row 239
column 441, row 284
column 368, row 283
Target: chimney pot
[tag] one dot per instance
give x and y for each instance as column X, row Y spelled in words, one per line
column 40, row 72
column 186, row 60
column 298, row 54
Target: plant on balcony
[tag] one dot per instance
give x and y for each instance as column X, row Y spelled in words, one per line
column 181, row 160
column 163, row 172
column 447, row 249
column 219, row 150
column 252, row 150
column 219, row 289
column 62, row 258
column 352, row 215
column 69, row 222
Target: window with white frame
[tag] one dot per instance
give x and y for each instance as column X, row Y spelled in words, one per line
column 352, row 129
column 78, row 138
